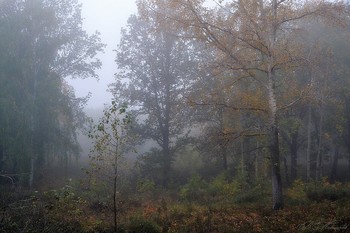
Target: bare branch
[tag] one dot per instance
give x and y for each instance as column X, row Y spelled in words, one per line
column 228, row 106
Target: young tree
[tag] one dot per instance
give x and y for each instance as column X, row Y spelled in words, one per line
column 112, row 140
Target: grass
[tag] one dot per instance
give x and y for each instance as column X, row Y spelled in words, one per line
column 316, row 207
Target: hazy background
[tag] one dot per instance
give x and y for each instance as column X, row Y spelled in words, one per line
column 107, row 17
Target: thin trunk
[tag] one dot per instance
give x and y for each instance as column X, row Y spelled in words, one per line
column 257, row 161
column 349, row 167
column 34, row 71
column 242, row 158
column 348, row 149
column 115, row 191
column 319, row 159
column 333, row 174
column 224, row 157
column 293, row 167
column 294, row 157
column 347, row 135
column 292, row 142
column 308, row 150
column 223, row 143
column 65, row 165
column 115, row 203
column 31, row 176
column 2, row 158
column 286, row 176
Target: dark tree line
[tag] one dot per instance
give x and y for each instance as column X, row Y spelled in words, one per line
column 42, row 44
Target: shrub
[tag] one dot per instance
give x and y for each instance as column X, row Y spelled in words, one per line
column 258, row 193
column 139, row 224
column 146, row 185
column 297, row 192
column 220, row 185
column 194, row 190
column 325, row 191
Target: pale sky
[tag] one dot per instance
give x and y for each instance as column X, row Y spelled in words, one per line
column 107, row 17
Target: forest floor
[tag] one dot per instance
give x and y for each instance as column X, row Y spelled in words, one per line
column 326, row 208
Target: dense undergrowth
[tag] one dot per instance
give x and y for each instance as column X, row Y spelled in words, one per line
column 218, row 206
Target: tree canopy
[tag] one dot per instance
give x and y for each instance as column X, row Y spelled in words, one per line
column 42, row 45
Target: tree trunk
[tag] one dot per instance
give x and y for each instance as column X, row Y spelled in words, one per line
column 347, row 135
column 257, row 161
column 349, row 167
column 319, row 158
column 333, row 174
column 224, row 157
column 348, row 149
column 308, row 149
column 294, row 157
column 277, row 195
column 115, row 191
column 292, row 142
column 164, row 122
column 1, row 157
column 223, row 143
column 166, row 160
column 31, row 176
column 242, row 158
column 115, row 204
column 285, row 163
column 273, row 140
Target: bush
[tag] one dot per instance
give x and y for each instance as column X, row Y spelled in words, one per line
column 259, row 193
column 194, row 190
column 146, row 185
column 325, row 191
column 221, row 189
column 297, row 192
column 221, row 186
column 35, row 215
column 139, row 224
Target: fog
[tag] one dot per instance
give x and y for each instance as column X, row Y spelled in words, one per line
column 107, row 17
column 224, row 116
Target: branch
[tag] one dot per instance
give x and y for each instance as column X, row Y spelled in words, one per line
column 228, row 106
column 249, row 151
column 280, row 2
column 10, row 178
column 17, row 174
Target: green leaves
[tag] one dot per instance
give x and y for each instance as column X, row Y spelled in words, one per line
column 112, row 137
column 101, row 127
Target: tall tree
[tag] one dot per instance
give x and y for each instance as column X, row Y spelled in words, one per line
column 43, row 43
column 255, row 38
column 156, row 68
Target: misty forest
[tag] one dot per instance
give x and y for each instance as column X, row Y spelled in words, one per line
column 226, row 116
